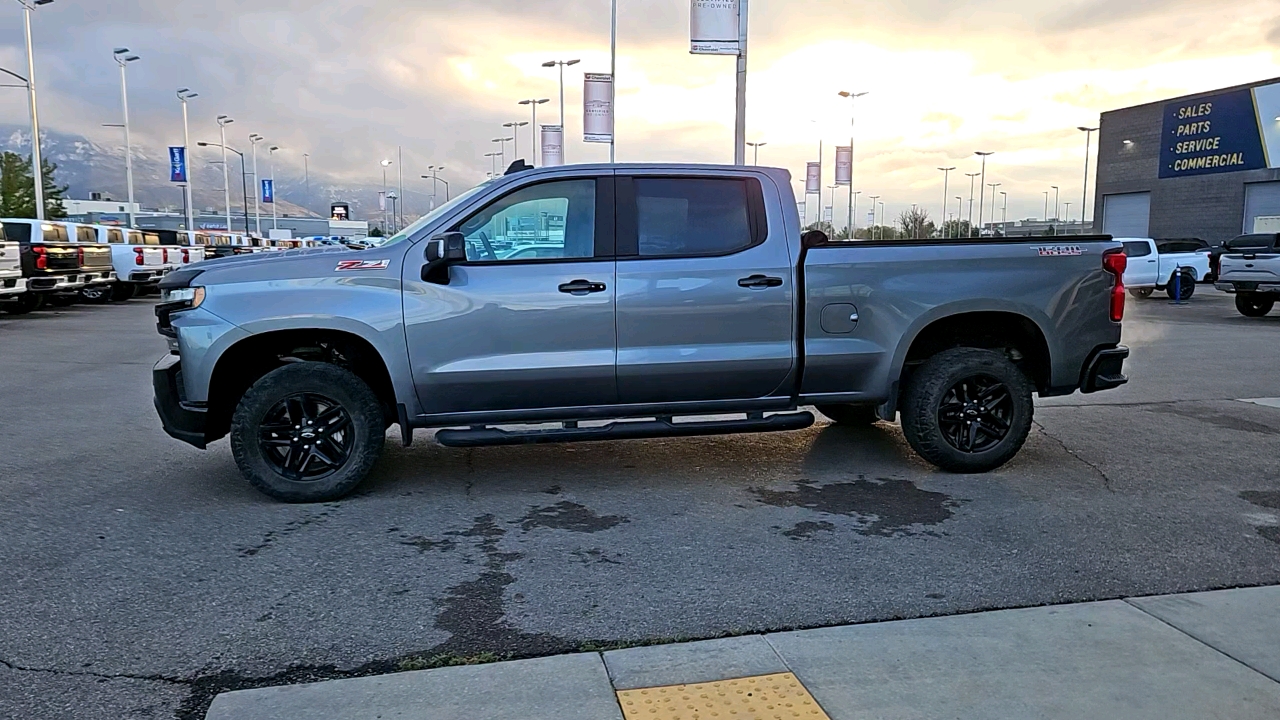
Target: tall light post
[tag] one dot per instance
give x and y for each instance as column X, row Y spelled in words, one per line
column 993, row 187
column 561, row 64
column 1067, row 219
column 271, row 162
column 533, row 104
column 185, row 94
column 613, row 80
column 223, row 122
column 853, row 227
column 385, row 164
column 972, row 177
column 881, row 219
column 853, row 102
column 493, row 163
column 306, row 174
column 1056, row 205
column 254, row 139
column 755, row 146
column 123, row 58
column 434, row 177
column 946, row 176
column 502, row 148
column 874, row 198
column 832, row 188
column 1084, row 196
column 959, row 214
column 37, row 162
column 515, row 138
column 1004, row 212
column 244, row 189
column 984, row 156
column 1046, row 206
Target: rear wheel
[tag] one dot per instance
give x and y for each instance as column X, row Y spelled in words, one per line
column 307, row 432
column 1141, row 293
column 95, row 294
column 850, row 414
column 25, row 303
column 122, row 291
column 62, row 299
column 1186, row 286
column 967, row 410
column 1253, row 304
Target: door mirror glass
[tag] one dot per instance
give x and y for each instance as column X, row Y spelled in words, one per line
column 442, row 251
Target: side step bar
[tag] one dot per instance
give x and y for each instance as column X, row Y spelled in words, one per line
column 631, row 430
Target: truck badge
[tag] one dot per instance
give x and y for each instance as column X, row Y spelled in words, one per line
column 1059, row 250
column 362, row 265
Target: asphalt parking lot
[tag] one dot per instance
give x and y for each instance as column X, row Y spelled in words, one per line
column 140, row 576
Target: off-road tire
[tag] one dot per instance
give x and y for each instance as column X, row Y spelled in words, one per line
column 24, row 303
column 62, row 299
column 850, row 415
column 929, row 386
column 122, row 291
column 340, row 385
column 1187, row 284
column 1141, row 293
column 1254, row 305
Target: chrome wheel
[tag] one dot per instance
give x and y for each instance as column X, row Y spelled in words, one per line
column 306, row 437
column 976, row 414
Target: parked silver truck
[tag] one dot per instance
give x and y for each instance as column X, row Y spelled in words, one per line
column 679, row 292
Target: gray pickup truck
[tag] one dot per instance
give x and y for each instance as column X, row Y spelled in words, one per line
column 601, row 302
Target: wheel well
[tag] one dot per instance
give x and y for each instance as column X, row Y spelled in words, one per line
column 1019, row 338
column 247, row 361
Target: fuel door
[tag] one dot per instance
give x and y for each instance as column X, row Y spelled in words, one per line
column 839, row 318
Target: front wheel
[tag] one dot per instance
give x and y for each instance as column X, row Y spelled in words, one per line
column 307, row 432
column 967, row 410
column 95, row 294
column 1186, row 286
column 1141, row 293
column 1253, row 304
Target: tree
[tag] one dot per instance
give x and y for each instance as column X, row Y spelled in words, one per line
column 877, row 232
column 915, row 224
column 957, row 229
column 824, row 226
column 376, row 232
column 17, row 188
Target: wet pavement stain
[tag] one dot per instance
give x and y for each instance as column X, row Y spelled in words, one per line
column 1262, row 498
column 1221, row 420
column 426, row 545
column 566, row 515
column 595, row 556
column 270, row 537
column 1269, row 532
column 887, row 506
column 805, row 530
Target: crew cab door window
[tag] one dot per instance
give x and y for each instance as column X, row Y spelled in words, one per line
column 554, row 220
column 683, row 217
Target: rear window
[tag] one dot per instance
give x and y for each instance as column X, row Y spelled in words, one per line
column 1181, row 245
column 55, row 233
column 86, row 234
column 18, row 232
column 115, row 236
column 150, row 239
column 1137, row 249
column 1251, row 241
column 692, row 216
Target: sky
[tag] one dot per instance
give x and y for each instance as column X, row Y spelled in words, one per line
column 348, row 82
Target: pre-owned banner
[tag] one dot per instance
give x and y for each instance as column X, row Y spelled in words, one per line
column 597, row 107
column 713, row 27
column 552, row 145
column 813, row 178
column 827, row 213
column 844, row 165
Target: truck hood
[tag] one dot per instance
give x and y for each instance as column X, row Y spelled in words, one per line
column 286, row 265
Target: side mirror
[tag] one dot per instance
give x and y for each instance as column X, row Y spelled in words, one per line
column 814, row 238
column 442, row 251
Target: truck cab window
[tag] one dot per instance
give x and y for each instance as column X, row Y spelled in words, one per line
column 115, row 236
column 689, row 217
column 545, row 221
column 1137, row 249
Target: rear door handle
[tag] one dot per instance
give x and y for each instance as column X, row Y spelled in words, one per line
column 582, row 287
column 760, row 281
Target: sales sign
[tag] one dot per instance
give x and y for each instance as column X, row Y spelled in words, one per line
column 177, row 164
column 1228, row 132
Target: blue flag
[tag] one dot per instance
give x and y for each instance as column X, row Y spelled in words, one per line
column 268, row 191
column 177, row 164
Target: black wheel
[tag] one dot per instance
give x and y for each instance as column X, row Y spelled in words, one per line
column 62, row 299
column 122, row 291
column 1187, row 287
column 1254, row 305
column 967, row 410
column 1141, row 293
column 95, row 294
column 850, row 414
column 25, row 303
column 307, row 432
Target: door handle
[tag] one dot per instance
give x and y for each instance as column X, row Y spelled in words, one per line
column 582, row 287
column 760, row 281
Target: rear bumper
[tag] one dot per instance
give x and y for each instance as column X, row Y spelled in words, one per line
column 1104, row 370
column 181, row 421
column 13, row 286
column 99, row 277
column 55, row 283
column 143, row 277
column 1265, row 287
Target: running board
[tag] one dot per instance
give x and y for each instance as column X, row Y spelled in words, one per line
column 631, row 430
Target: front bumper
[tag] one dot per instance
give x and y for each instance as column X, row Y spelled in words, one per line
column 1104, row 370
column 181, row 420
column 13, row 286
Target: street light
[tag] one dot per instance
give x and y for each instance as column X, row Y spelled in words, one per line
column 755, row 146
column 123, row 58
column 1004, row 213
column 984, row 156
column 561, row 64
column 185, row 94
column 223, row 122
column 874, row 198
column 881, row 219
column 271, row 161
column 959, row 212
column 971, row 177
column 385, row 164
column 244, row 189
column 515, row 137
column 946, row 175
column 1084, row 196
column 493, row 163
column 1046, row 206
column 1055, row 201
column 502, row 149
column 853, row 101
column 533, row 104
column 1067, row 219
column 37, row 163
column 306, row 174
column 254, row 139
column 993, row 187
column 434, row 177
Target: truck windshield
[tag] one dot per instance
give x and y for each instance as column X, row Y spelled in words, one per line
column 430, row 217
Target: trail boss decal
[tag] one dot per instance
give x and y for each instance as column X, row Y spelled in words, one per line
column 1059, row 250
column 362, row 265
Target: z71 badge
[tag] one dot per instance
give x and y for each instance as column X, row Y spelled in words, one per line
column 362, row 265
column 1059, row 250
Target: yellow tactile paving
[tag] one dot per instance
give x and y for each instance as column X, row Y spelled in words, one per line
column 764, row 697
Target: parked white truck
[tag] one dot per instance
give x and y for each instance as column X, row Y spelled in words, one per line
column 1251, row 269
column 1174, row 266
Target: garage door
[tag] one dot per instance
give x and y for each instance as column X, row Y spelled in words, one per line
column 1261, row 200
column 1127, row 215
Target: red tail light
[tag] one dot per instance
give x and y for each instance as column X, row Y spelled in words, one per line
column 186, row 255
column 80, row 257
column 137, row 257
column 1116, row 262
column 166, row 254
column 42, row 257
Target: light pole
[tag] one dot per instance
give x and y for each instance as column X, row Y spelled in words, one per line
column 1046, row 206
column 872, row 234
column 1004, row 213
column 493, row 163
column 185, row 94
column 254, row 139
column 993, row 187
column 1056, row 216
column 982, row 195
column 223, row 122
column 397, row 218
column 515, row 138
column 853, row 227
column 533, row 104
column 881, row 219
column 971, row 177
column 1084, row 196
column 123, row 58
column 502, row 149
column 244, row 189
column 1067, row 220
column 306, row 174
column 385, row 164
column 853, row 102
column 271, row 161
column 561, row 64
column 946, row 175
column 832, row 188
column 755, row 146
column 434, row 177
column 959, row 212
column 37, row 162
column 613, row 80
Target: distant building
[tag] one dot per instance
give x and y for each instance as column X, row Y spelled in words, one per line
column 1204, row 165
column 98, row 203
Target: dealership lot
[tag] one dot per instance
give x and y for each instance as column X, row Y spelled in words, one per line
column 143, row 576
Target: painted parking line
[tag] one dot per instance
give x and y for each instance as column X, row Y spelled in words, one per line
column 1269, row 402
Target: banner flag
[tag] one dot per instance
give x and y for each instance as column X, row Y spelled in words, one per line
column 552, row 145
column 177, row 164
column 713, row 27
column 813, row 178
column 597, row 110
column 268, row 191
column 844, row 165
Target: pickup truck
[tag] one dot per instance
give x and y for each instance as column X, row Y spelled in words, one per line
column 1251, row 270
column 50, row 262
column 680, row 291
column 12, row 284
column 1171, row 266
column 136, row 258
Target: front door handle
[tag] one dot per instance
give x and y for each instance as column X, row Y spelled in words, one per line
column 760, row 281
column 582, row 287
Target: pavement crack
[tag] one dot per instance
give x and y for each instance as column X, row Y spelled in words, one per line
column 1106, row 480
column 88, row 673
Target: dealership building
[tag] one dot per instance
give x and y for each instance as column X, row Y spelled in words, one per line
column 1204, row 165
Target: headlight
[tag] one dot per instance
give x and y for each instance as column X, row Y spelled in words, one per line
column 189, row 297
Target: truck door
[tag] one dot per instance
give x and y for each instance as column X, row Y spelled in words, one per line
column 704, row 294
column 518, row 330
column 1144, row 264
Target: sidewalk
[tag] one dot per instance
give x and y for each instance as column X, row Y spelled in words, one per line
column 1194, row 656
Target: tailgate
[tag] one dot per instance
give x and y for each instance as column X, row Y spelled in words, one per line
column 61, row 256
column 96, row 256
column 10, row 265
column 196, row 252
column 152, row 256
column 1256, row 268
